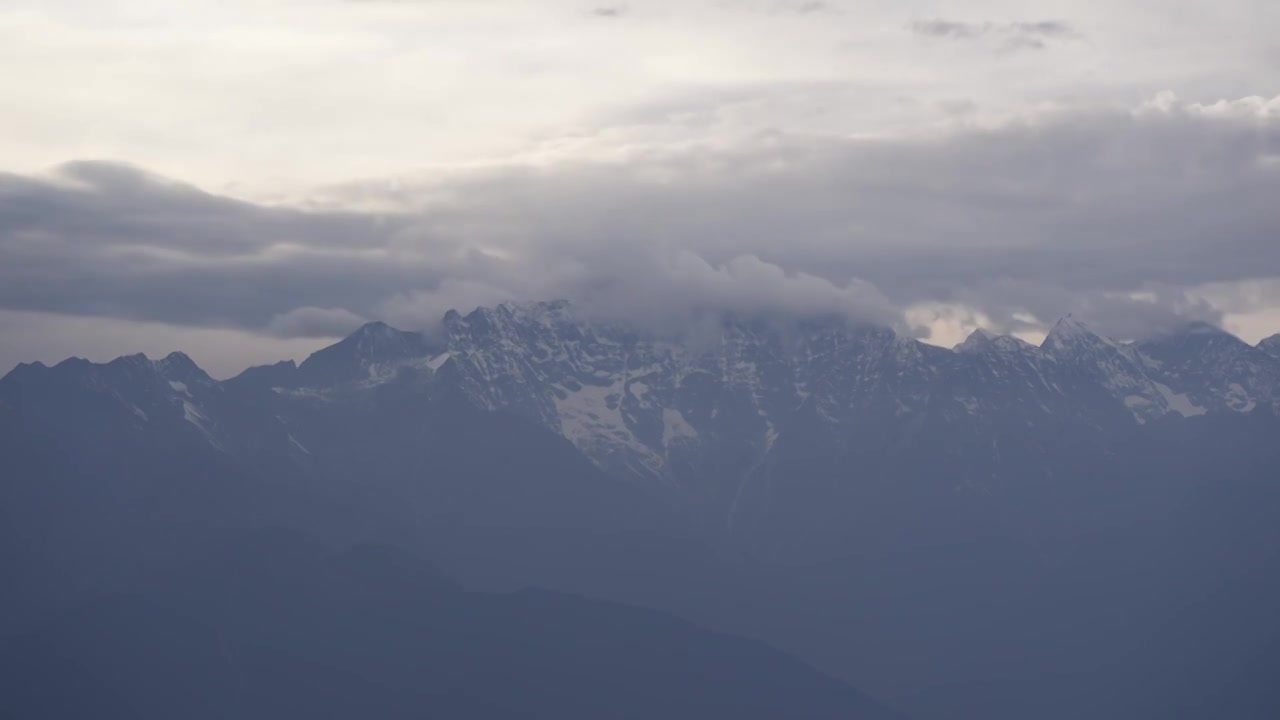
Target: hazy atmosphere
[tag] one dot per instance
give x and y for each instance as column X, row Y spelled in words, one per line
column 640, row 359
column 248, row 180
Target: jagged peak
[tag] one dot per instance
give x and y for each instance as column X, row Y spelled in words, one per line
column 176, row 360
column 133, row 359
column 536, row 310
column 981, row 340
column 545, row 311
column 372, row 344
column 977, row 340
column 559, row 314
column 374, row 328
column 22, row 370
column 1070, row 332
column 1069, row 326
column 508, row 315
column 76, row 361
column 376, row 336
column 178, row 366
column 134, row 364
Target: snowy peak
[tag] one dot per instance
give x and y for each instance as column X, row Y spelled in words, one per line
column 1213, row 368
column 512, row 318
column 1094, row 362
column 1069, row 334
column 643, row 405
column 177, row 367
column 977, row 341
column 661, row 407
column 983, row 341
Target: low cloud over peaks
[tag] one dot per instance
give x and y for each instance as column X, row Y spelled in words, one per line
column 1113, row 215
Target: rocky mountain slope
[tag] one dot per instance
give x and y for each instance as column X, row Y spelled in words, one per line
column 698, row 415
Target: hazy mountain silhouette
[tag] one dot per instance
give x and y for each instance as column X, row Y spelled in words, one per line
column 268, row 626
column 1084, row 528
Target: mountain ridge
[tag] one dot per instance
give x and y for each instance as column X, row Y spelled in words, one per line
column 649, row 407
column 755, row 473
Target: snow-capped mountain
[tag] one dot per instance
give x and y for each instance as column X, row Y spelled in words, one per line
column 659, row 407
column 665, row 409
column 537, row 447
column 749, row 423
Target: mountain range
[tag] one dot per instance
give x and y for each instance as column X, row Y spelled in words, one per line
column 705, row 419
column 928, row 511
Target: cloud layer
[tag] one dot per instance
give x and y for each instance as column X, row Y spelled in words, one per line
column 1117, row 216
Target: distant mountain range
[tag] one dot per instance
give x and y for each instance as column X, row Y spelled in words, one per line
column 926, row 511
column 706, row 419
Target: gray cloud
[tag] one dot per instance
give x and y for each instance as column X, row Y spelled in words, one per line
column 1021, row 35
column 108, row 239
column 315, row 322
column 1112, row 215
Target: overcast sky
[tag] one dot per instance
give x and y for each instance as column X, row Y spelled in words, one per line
column 248, row 179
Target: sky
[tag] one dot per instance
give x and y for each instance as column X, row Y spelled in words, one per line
column 247, row 180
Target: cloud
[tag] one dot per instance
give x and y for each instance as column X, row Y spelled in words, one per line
column 1022, row 35
column 1119, row 216
column 108, row 239
column 310, row 322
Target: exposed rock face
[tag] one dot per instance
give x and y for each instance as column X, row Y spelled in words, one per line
column 723, row 418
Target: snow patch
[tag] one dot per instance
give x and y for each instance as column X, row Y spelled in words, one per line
column 770, row 438
column 587, row 412
column 1179, row 402
column 192, row 414
column 1139, row 406
column 591, row 418
column 674, row 426
column 294, row 441
column 1238, row 399
column 180, row 387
